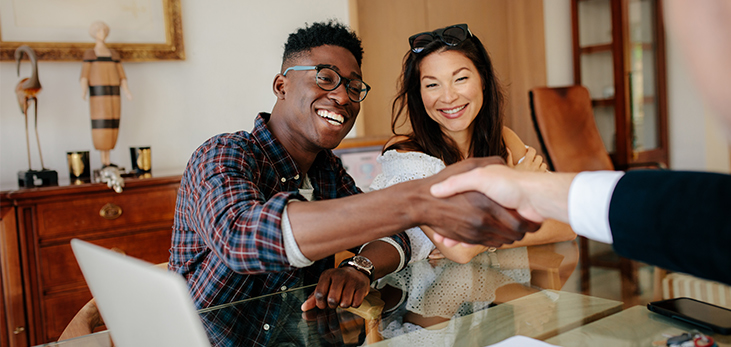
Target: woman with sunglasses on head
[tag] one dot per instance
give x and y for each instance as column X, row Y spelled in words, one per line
column 449, row 93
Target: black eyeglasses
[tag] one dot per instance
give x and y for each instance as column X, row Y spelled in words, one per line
column 329, row 79
column 451, row 35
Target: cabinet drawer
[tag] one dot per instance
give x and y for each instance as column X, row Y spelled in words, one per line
column 58, row 266
column 128, row 210
column 60, row 309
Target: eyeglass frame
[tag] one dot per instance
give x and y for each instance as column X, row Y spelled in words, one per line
column 318, row 68
column 437, row 34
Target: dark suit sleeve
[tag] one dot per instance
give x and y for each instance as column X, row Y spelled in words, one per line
column 679, row 221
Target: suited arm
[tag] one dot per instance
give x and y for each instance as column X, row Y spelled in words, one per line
column 676, row 220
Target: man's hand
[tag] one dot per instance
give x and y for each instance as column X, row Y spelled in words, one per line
column 344, row 287
column 335, row 327
column 470, row 216
column 535, row 196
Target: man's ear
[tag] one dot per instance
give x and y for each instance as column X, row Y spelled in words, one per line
column 280, row 85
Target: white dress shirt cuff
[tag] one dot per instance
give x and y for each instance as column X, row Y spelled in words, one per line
column 294, row 255
column 589, row 198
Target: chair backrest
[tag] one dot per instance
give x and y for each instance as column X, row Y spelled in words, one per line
column 565, row 125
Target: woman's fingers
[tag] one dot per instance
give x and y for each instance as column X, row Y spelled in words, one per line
column 509, row 160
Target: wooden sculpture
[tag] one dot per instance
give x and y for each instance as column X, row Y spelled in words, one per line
column 102, row 77
column 26, row 91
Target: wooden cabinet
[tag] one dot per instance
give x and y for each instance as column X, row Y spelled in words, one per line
column 13, row 314
column 619, row 55
column 43, row 287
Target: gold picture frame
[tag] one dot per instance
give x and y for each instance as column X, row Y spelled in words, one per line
column 172, row 49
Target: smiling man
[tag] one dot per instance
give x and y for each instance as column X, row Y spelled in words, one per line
column 263, row 211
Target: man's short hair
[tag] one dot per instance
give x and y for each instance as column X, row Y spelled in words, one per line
column 319, row 34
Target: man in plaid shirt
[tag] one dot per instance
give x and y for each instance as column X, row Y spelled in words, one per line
column 261, row 212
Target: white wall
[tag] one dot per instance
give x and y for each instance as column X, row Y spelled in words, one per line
column 695, row 142
column 233, row 50
column 559, row 61
column 686, row 120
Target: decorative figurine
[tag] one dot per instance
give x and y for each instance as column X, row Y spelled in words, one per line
column 102, row 77
column 111, row 176
column 26, row 91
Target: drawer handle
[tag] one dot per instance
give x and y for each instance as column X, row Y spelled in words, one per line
column 18, row 330
column 110, row 211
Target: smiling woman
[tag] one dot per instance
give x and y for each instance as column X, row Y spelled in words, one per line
column 512, row 30
column 452, row 99
column 451, row 90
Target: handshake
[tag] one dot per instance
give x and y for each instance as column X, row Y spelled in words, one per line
column 490, row 204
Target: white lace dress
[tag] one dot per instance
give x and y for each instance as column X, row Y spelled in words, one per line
column 397, row 167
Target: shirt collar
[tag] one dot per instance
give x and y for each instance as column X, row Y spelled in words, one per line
column 283, row 162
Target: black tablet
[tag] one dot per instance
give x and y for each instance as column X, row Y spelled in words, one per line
column 699, row 313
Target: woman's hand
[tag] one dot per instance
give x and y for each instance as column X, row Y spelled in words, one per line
column 436, row 254
column 344, row 287
column 531, row 161
column 462, row 253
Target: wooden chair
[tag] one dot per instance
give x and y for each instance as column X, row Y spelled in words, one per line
column 675, row 285
column 565, row 125
column 552, row 264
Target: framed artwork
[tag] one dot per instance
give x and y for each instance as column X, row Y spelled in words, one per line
column 141, row 30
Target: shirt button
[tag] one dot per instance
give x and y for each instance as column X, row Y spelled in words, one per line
column 284, row 180
column 283, row 288
column 297, row 176
column 266, row 326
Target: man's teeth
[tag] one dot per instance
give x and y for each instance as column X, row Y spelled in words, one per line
column 332, row 117
column 454, row 110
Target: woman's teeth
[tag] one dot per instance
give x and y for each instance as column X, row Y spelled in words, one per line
column 454, row 110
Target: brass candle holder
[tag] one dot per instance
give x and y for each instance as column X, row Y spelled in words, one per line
column 141, row 161
column 79, row 171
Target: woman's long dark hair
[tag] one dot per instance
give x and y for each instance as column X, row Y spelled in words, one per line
column 426, row 135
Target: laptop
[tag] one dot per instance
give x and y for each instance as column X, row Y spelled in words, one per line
column 142, row 305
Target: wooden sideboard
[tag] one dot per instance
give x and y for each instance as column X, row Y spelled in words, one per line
column 41, row 285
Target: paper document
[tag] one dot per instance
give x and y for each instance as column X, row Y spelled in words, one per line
column 521, row 341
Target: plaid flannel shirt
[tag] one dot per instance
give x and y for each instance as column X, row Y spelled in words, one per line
column 227, row 240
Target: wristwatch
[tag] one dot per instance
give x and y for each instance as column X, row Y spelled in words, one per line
column 361, row 264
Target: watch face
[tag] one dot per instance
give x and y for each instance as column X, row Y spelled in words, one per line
column 363, row 262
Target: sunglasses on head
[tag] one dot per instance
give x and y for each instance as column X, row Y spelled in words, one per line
column 451, row 36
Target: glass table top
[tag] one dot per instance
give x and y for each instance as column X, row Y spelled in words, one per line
column 635, row 326
column 431, row 302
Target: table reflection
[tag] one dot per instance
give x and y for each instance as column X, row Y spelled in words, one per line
column 422, row 301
